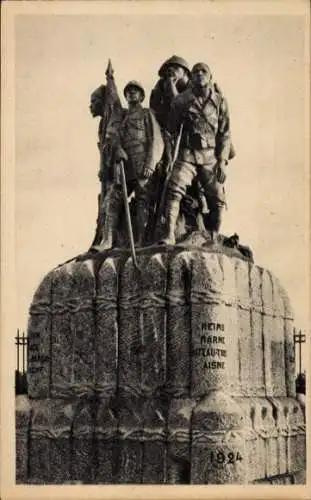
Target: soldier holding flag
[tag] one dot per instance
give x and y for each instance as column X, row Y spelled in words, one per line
column 134, row 142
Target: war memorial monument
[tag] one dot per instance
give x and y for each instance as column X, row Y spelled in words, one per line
column 162, row 354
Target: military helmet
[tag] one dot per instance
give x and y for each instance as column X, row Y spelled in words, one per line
column 174, row 60
column 134, row 83
column 201, row 65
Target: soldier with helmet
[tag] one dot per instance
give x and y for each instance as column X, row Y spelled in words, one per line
column 201, row 114
column 136, row 141
column 174, row 76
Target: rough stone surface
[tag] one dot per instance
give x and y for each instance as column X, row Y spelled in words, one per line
column 180, row 371
column 178, row 325
column 106, row 323
column 50, row 452
column 23, row 415
column 218, row 441
column 39, row 341
column 105, row 442
column 178, row 440
column 154, row 446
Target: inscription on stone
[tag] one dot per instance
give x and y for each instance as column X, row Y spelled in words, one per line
column 211, row 346
column 36, row 359
column 222, row 458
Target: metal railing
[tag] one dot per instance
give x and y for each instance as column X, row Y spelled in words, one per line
column 21, row 342
column 299, row 339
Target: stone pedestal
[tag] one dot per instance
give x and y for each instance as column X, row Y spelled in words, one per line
column 22, row 425
column 182, row 371
column 218, row 441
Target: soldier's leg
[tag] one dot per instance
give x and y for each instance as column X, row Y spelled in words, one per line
column 215, row 197
column 111, row 212
column 182, row 176
column 142, row 193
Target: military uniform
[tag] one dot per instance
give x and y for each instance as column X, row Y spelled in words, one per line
column 162, row 94
column 138, row 143
column 205, row 141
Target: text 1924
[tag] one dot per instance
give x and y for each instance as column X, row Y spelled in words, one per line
column 221, row 458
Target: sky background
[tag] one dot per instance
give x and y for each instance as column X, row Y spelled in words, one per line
column 258, row 61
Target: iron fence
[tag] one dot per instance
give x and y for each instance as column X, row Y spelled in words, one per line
column 21, row 342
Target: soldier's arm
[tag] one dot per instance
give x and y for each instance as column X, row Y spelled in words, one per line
column 156, row 103
column 155, row 98
column 172, row 129
column 223, row 134
column 175, row 117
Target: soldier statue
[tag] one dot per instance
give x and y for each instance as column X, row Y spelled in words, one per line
column 136, row 141
column 200, row 117
column 96, row 106
column 174, row 76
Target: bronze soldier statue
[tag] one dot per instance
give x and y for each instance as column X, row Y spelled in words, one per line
column 96, row 106
column 136, row 141
column 174, row 76
column 201, row 114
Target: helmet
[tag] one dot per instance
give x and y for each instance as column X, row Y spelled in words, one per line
column 201, row 65
column 134, row 83
column 176, row 60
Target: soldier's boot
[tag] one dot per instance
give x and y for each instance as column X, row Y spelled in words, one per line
column 213, row 222
column 170, row 222
column 111, row 211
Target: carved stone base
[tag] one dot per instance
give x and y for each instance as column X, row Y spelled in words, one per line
column 136, row 374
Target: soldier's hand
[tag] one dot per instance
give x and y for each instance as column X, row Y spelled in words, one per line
column 120, row 154
column 221, row 174
column 170, row 86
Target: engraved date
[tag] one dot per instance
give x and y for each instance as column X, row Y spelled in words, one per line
column 221, row 458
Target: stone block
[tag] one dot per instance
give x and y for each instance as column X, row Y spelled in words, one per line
column 244, row 326
column 268, row 329
column 129, row 443
column 292, row 434
column 62, row 332
column 218, row 441
column 83, row 442
column 106, row 341
column 39, row 341
column 278, row 341
column 178, row 325
column 265, row 426
column 106, row 442
column 296, row 436
column 50, row 450
column 178, row 440
column 290, row 368
column 130, row 328
column 300, row 477
column 282, row 429
column 209, row 328
column 22, row 426
column 229, row 292
column 154, row 442
column 256, row 332
column 251, row 439
column 153, row 315
column 83, row 328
